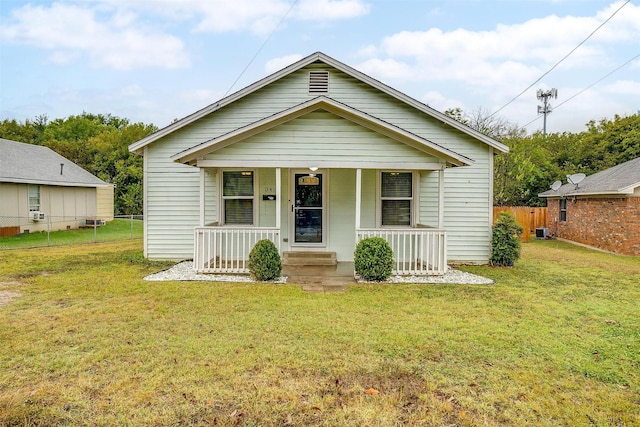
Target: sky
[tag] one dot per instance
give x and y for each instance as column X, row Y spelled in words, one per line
column 155, row 61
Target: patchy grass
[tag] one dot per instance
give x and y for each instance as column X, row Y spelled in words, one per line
column 118, row 229
column 556, row 341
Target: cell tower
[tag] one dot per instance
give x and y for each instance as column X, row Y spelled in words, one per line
column 544, row 95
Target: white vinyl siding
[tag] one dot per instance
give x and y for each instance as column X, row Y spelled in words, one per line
column 321, row 135
column 428, row 211
column 63, row 206
column 172, row 192
column 341, row 207
column 468, row 208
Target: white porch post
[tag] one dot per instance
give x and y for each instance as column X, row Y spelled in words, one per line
column 278, row 200
column 441, row 196
column 202, row 196
column 358, row 197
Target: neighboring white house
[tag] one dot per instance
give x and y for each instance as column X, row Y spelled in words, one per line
column 316, row 157
column 41, row 190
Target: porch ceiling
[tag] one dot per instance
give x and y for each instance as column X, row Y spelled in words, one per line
column 193, row 155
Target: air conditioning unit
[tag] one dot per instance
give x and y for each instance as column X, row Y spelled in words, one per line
column 542, row 233
column 37, row 216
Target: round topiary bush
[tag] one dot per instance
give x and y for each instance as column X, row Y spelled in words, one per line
column 505, row 241
column 373, row 259
column 264, row 261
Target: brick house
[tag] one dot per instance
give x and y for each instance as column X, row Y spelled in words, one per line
column 602, row 211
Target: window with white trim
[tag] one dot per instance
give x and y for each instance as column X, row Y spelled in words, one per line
column 34, row 198
column 238, row 197
column 396, row 198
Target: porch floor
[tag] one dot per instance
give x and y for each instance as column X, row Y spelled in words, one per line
column 320, row 278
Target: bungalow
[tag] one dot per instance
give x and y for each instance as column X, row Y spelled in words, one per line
column 316, row 157
column 41, row 190
column 602, row 211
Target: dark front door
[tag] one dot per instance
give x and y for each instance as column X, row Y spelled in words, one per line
column 308, row 208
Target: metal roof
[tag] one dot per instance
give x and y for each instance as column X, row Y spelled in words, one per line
column 618, row 180
column 36, row 164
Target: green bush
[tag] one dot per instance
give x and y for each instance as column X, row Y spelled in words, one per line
column 373, row 259
column 505, row 241
column 264, row 261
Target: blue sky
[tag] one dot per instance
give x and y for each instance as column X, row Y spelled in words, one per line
column 157, row 60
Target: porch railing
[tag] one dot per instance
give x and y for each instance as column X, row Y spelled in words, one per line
column 226, row 249
column 416, row 251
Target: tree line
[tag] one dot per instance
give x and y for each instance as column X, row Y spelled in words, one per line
column 99, row 143
column 535, row 161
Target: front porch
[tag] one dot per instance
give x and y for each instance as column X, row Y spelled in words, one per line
column 221, row 249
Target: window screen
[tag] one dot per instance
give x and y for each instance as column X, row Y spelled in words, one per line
column 563, row 210
column 396, row 198
column 237, row 195
column 34, row 198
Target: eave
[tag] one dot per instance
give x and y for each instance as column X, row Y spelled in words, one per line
column 626, row 191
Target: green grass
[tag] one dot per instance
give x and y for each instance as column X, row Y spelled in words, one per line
column 118, row 229
column 556, row 341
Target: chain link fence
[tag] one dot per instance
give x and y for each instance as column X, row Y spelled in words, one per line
column 39, row 230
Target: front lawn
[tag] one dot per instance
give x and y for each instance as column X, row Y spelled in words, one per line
column 556, row 341
column 117, row 229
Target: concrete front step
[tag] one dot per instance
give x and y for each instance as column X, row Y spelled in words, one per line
column 309, row 258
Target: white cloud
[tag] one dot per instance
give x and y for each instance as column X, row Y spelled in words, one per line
column 329, row 10
column 503, row 58
column 277, row 64
column 259, row 17
column 624, row 87
column 389, row 68
column 119, row 34
column 107, row 39
column 440, row 102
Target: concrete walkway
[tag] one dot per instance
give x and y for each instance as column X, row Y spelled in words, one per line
column 320, row 278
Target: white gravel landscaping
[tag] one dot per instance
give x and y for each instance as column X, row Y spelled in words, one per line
column 184, row 271
column 452, row 276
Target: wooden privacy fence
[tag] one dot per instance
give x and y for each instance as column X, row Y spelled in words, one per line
column 529, row 218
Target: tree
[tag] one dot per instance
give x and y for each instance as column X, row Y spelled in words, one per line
column 482, row 121
column 96, row 142
column 535, row 161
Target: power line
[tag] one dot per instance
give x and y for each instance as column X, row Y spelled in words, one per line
column 560, row 61
column 261, row 47
column 589, row 87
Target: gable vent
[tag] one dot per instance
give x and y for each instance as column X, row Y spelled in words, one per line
column 318, row 82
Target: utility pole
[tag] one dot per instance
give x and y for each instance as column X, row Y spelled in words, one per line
column 546, row 108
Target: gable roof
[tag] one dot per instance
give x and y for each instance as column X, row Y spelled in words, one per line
column 317, row 57
column 36, row 164
column 618, row 180
column 327, row 104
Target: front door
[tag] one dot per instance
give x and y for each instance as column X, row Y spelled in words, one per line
column 308, row 209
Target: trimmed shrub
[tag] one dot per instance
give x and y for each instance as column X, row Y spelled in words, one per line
column 264, row 261
column 373, row 259
column 505, row 241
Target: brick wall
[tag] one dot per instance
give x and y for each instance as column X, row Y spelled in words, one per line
column 612, row 224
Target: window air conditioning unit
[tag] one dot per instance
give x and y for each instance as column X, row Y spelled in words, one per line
column 37, row 216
